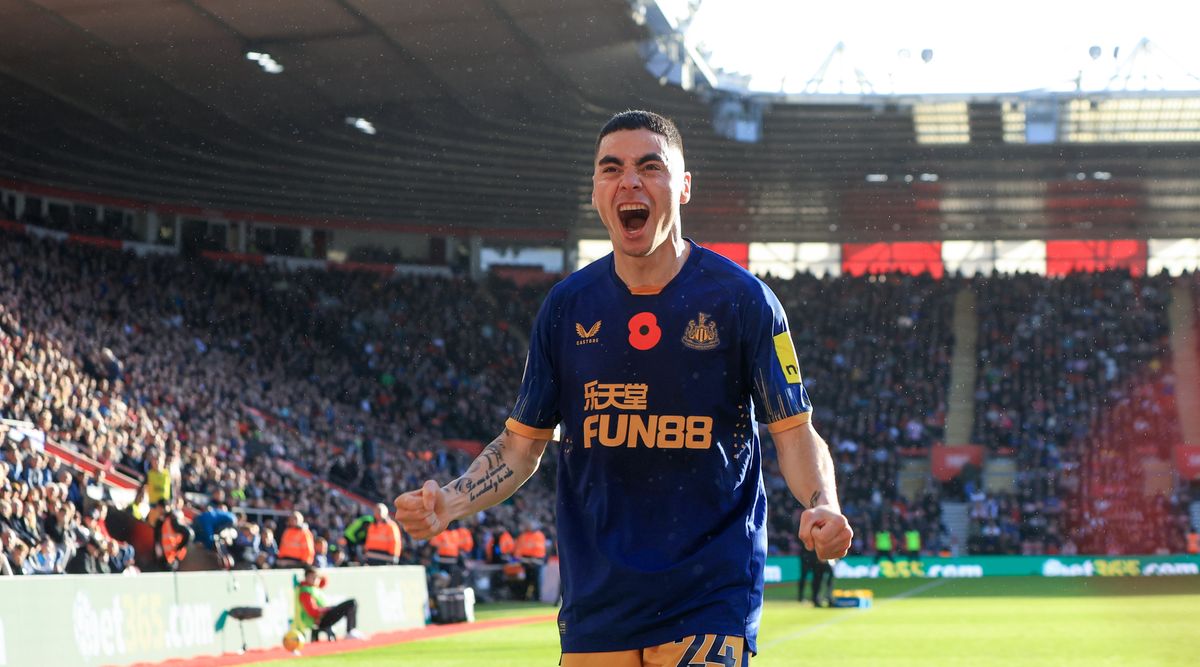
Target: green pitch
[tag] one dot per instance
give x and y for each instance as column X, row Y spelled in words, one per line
column 1000, row 622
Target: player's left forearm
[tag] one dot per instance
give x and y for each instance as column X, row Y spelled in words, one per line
column 807, row 466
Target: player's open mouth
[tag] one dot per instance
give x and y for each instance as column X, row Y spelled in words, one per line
column 633, row 216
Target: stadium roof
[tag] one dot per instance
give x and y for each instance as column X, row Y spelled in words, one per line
column 482, row 113
column 943, row 47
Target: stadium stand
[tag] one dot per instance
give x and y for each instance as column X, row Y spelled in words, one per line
column 265, row 389
column 211, row 377
column 875, row 353
column 1074, row 379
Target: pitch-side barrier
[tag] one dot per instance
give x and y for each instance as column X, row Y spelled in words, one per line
column 785, row 569
column 120, row 620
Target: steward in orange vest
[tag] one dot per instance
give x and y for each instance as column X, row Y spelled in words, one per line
column 1193, row 543
column 499, row 547
column 383, row 544
column 531, row 545
column 170, row 544
column 466, row 541
column 448, row 554
column 446, row 543
column 531, row 550
column 296, row 548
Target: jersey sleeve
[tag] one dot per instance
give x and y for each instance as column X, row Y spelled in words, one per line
column 536, row 411
column 779, row 395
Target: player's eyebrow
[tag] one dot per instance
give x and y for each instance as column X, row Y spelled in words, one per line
column 648, row 157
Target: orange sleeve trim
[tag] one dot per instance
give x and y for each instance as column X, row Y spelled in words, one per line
column 788, row 423
column 646, row 290
column 528, row 431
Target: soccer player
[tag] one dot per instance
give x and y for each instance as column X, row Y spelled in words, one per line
column 657, row 361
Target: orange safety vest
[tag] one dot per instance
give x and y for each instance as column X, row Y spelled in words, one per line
column 383, row 537
column 1193, row 543
column 466, row 541
column 446, row 543
column 506, row 545
column 170, row 539
column 297, row 544
column 531, row 544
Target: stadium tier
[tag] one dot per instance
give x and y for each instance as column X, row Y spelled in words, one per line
column 263, row 389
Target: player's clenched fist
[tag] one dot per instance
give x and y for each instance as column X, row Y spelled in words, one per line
column 422, row 513
column 826, row 531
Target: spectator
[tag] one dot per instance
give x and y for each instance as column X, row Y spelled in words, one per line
column 212, row 521
column 321, row 558
column 92, row 559
column 19, row 559
column 8, row 543
column 120, row 557
column 47, row 559
column 246, row 545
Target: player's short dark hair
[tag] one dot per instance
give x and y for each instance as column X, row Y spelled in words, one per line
column 308, row 569
column 636, row 119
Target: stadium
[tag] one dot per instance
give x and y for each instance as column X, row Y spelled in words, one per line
column 267, row 267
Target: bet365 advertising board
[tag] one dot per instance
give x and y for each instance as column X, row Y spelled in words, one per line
column 786, row 569
column 119, row 620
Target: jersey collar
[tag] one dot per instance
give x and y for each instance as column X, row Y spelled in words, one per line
column 687, row 268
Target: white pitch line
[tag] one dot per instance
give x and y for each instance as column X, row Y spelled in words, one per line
column 839, row 619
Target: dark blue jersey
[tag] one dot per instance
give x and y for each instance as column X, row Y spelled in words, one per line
column 661, row 506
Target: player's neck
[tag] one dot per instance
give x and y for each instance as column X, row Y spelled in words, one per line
column 656, row 269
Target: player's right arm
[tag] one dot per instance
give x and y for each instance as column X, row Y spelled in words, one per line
column 511, row 459
column 499, row 470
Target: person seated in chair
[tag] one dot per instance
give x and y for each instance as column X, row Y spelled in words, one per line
column 313, row 613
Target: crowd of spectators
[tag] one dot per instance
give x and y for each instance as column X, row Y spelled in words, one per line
column 256, row 385
column 235, row 373
column 1074, row 380
column 49, row 523
column 875, row 353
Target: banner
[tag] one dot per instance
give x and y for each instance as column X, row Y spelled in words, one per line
column 913, row 257
column 948, row 461
column 1187, row 461
column 784, row 569
column 120, row 620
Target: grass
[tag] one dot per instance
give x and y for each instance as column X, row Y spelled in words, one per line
column 997, row 622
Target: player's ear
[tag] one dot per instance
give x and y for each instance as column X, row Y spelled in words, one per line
column 685, row 195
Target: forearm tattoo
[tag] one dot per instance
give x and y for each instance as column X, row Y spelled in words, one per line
column 487, row 472
column 812, row 502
